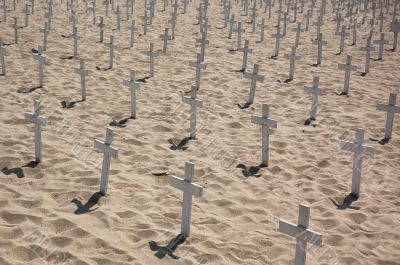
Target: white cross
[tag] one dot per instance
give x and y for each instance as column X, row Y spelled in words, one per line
column 368, row 48
column 284, row 19
column 316, row 91
column 101, row 25
column 266, row 123
column 45, row 32
column 133, row 28
column 189, row 189
column 203, row 42
column 246, row 50
column 49, row 15
column 109, row 151
column 302, row 234
column 342, row 35
column 239, row 32
column 151, row 53
column 118, row 13
column 263, row 28
column 381, row 43
column 278, row 37
column 15, row 27
column 360, row 151
column 395, row 28
column 391, row 109
column 34, row 117
column 231, row 25
column 133, row 86
column 165, row 37
column 40, row 58
column 27, row 13
column 75, row 37
column 194, row 104
column 83, row 73
column 298, row 30
column 308, row 15
column 4, row 6
column 320, row 42
column 111, row 45
column 2, row 57
column 145, row 19
column 348, row 67
column 173, row 25
column 293, row 58
column 254, row 78
column 319, row 23
column 199, row 65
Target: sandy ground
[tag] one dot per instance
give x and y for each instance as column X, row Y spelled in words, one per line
column 43, row 210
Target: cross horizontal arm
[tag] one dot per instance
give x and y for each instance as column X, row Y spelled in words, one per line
column 264, row 121
column 388, row 108
column 32, row 118
column 299, row 232
column 192, row 101
column 192, row 188
column 106, row 149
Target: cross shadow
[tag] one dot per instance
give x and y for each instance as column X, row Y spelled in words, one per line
column 382, row 141
column 86, row 208
column 274, row 57
column 66, row 36
column 314, row 64
column 34, row 51
column 342, row 94
column 120, row 123
column 244, row 106
column 163, row 251
column 29, row 90
column 251, row 171
column 346, row 204
column 181, row 146
column 18, row 170
column 338, row 53
column 310, row 121
column 70, row 57
column 143, row 80
column 239, row 71
column 98, row 68
column 363, row 74
column 287, row 81
column 377, row 59
column 69, row 105
column 392, row 50
column 232, row 50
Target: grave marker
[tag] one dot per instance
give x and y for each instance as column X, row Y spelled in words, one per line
column 75, row 37
column 111, row 45
column 194, row 104
column 133, row 86
column 246, row 50
column 39, row 121
column 254, row 76
column 41, row 59
column 101, row 26
column 165, row 37
column 83, row 73
column 15, row 27
column 263, row 28
column 298, row 30
column 151, row 53
column 320, row 42
column 109, row 152
column 239, row 32
column 302, row 234
column 45, row 32
column 395, row 28
column 266, row 124
column 316, row 91
column 203, row 42
column 342, row 35
column 391, row 109
column 278, row 37
column 118, row 13
column 368, row 48
column 27, row 13
column 381, row 43
column 348, row 67
column 189, row 189
column 293, row 58
column 132, row 29
column 2, row 57
column 360, row 150
column 199, row 65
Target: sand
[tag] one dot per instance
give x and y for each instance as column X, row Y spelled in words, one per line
column 46, row 216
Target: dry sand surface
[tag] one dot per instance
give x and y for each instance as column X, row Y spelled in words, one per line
column 43, row 209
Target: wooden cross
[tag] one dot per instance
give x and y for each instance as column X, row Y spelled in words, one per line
column 151, row 53
column 199, row 65
column 165, row 37
column 118, row 13
column 391, row 109
column 368, row 48
column 41, row 59
column 254, row 76
column 316, row 91
column 246, row 50
column 239, row 32
column 133, row 86
column 38, row 120
column 109, row 151
column 381, row 43
column 395, row 28
column 266, row 123
column 263, row 28
column 342, row 35
column 194, row 104
column 15, row 27
column 132, row 29
column 320, row 42
column 27, row 13
column 302, row 234
column 360, row 151
column 203, row 42
column 45, row 32
column 2, row 57
column 83, row 73
column 298, row 30
column 293, row 58
column 348, row 67
column 101, row 25
column 75, row 37
column 111, row 45
column 189, row 189
column 278, row 37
